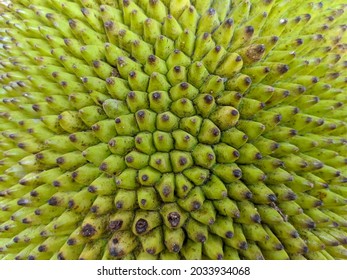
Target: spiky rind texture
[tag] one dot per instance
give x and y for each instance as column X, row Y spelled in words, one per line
column 184, row 129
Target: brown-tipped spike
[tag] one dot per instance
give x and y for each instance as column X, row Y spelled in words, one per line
column 141, row 226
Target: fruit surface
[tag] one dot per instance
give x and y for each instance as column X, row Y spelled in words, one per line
column 183, row 129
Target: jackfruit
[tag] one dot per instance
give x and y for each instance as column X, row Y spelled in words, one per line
column 173, row 129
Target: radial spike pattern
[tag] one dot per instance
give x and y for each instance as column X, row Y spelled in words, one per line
column 180, row 129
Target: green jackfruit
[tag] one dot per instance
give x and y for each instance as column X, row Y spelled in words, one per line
column 173, row 129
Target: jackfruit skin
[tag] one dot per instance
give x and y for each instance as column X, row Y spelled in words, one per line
column 184, row 129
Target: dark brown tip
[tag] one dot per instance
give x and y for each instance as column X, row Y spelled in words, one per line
column 211, row 11
column 110, row 81
column 141, row 114
column 294, row 234
column 237, row 173
column 217, row 49
column 96, row 63
column 249, row 30
column 175, row 248
column 34, row 193
column 129, row 159
column 152, row 59
column 256, row 218
column 132, row 74
column 166, row 191
column 299, row 41
column 103, row 166
column 116, row 252
column 238, row 58
column 243, row 245
column 304, row 250
column 177, row 69
column 138, row 139
column 201, row 237
column 274, row 146
column 72, row 23
column 318, row 203
column 196, row 205
column 156, row 95
column 151, row 251
column 311, row 224
column 53, row 201
column 122, row 32
column 184, row 85
column 236, row 153
column 283, row 68
column 291, row 196
column 272, row 197
column 56, row 183
column 301, row 89
column 165, row 117
column 74, row 174
column 88, row 230
column 248, row 195
column 335, row 224
column 115, row 225
column 234, row 112
column 39, row 156
column 208, row 99
column 36, row 107
column 247, row 81
column 278, row 118
column 60, row 256
column 182, row 161
column 26, row 221
column 229, row 22
column 141, row 226
column 60, row 160
column 215, row 131
column 71, row 241
column 144, row 177
column 73, row 137
column 293, row 132
column 71, row 203
column 258, row 156
column 174, row 219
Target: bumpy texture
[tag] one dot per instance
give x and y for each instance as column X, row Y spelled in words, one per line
column 184, row 129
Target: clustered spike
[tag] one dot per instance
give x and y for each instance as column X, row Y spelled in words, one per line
column 178, row 129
